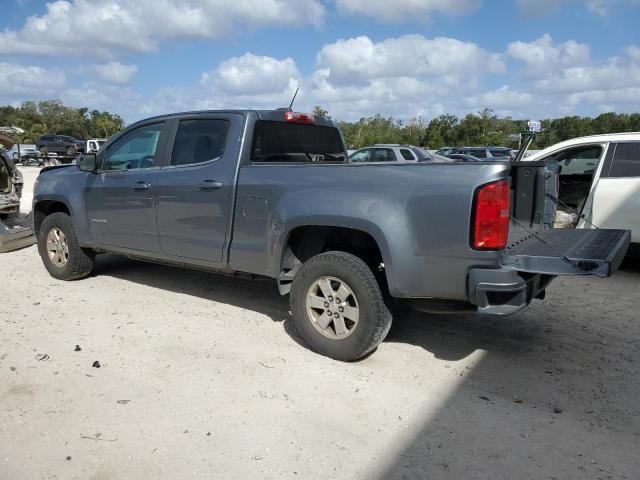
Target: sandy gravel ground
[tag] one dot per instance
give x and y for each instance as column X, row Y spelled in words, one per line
column 203, row 376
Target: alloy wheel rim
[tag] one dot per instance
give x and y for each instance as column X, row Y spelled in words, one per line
column 332, row 308
column 57, row 247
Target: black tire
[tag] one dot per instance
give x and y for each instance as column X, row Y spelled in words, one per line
column 374, row 319
column 71, row 151
column 80, row 261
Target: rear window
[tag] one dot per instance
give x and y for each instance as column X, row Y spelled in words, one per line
column 406, row 154
column 626, row 162
column 423, row 155
column 480, row 153
column 297, row 143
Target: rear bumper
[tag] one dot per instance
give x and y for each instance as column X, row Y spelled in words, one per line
column 504, row 291
column 15, row 234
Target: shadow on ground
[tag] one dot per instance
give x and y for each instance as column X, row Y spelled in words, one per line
column 447, row 337
column 553, row 397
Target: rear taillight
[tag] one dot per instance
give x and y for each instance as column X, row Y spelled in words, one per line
column 296, row 117
column 491, row 216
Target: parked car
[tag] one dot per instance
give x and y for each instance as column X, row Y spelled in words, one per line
column 390, row 153
column 60, row 144
column 486, row 153
column 26, row 153
column 11, row 183
column 461, row 157
column 271, row 193
column 94, row 144
column 445, row 151
column 599, row 181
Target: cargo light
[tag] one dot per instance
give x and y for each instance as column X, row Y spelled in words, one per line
column 297, row 117
column 491, row 216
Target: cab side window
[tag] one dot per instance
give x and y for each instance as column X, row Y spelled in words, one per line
column 626, row 160
column 135, row 150
column 199, row 141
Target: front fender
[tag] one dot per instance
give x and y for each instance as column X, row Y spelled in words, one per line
column 64, row 187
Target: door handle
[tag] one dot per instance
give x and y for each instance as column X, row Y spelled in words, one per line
column 141, row 185
column 210, row 185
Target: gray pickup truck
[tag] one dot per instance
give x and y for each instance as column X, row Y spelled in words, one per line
column 272, row 194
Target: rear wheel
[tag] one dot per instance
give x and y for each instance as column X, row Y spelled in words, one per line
column 58, row 246
column 338, row 307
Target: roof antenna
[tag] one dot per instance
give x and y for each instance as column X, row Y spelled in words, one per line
column 294, row 98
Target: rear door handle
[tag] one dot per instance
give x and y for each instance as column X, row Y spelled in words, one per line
column 210, row 185
column 141, row 185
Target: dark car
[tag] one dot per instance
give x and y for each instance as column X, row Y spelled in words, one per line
column 60, row 144
column 461, row 157
column 445, row 151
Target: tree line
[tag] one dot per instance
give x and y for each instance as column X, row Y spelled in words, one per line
column 51, row 116
column 475, row 129
column 483, row 128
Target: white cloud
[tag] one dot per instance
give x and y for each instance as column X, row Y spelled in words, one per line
column 252, row 74
column 115, row 73
column 503, row 98
column 23, row 81
column 567, row 78
column 385, row 10
column 104, row 27
column 544, row 54
column 451, row 60
column 404, row 77
column 568, row 67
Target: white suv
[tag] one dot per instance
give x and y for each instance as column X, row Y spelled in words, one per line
column 599, row 181
column 383, row 152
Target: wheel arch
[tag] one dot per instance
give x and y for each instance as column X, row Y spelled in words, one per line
column 305, row 240
column 43, row 208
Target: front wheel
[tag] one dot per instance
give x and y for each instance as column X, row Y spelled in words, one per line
column 337, row 306
column 58, row 246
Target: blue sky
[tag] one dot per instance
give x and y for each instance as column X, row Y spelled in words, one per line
column 354, row 57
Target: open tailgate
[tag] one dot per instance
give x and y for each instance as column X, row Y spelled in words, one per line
column 570, row 252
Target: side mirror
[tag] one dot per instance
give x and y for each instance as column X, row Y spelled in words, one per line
column 88, row 163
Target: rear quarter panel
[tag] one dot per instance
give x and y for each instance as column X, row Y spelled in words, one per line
column 419, row 215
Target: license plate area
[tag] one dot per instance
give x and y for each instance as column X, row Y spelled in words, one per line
column 570, row 252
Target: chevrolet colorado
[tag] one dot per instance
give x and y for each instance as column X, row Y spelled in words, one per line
column 271, row 193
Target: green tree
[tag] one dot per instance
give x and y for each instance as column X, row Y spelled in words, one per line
column 105, row 124
column 318, row 111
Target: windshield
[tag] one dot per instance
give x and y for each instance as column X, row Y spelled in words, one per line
column 291, row 142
